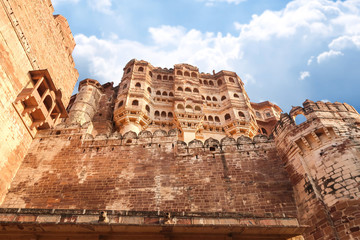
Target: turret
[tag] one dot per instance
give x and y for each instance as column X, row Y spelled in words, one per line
column 86, row 102
column 322, row 156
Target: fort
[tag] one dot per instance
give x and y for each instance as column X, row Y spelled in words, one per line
column 165, row 154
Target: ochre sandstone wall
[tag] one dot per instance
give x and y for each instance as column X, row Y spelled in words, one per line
column 67, row 168
column 31, row 38
column 322, row 156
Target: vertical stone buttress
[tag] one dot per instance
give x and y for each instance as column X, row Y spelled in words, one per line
column 322, row 157
column 86, row 103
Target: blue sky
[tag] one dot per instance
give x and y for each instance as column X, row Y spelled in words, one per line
column 284, row 51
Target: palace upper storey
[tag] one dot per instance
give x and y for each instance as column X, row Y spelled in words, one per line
column 199, row 105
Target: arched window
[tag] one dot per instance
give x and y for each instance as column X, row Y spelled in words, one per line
column 205, row 82
column 211, row 118
column 202, row 97
column 147, row 108
column 217, row 119
column 180, row 106
column 187, row 74
column 138, row 85
column 197, row 108
column 135, row 103
column 223, row 98
column 125, row 86
column 120, row 104
column 48, row 102
column 164, row 93
column 140, row 69
column 171, row 78
column 219, row 82
column 158, row 93
column 211, row 83
column 179, row 73
column 236, row 96
column 200, row 81
column 179, row 89
column 258, row 115
column 129, row 69
column 188, row 107
column 268, row 114
column 231, row 80
column 300, row 118
column 171, row 94
column 170, row 115
column 263, row 130
column 193, row 75
column 241, row 114
column 163, row 114
column 187, row 89
column 164, row 77
column 205, row 118
column 149, row 90
column 150, row 73
column 159, row 77
column 227, row 116
column 208, row 98
column 214, row 99
column 196, row 90
column 157, row 113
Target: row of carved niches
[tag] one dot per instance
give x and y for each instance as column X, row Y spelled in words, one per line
column 39, row 104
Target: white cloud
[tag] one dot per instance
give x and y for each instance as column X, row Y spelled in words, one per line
column 210, row 3
column 329, row 54
column 103, row 6
column 345, row 42
column 58, row 2
column 304, row 75
column 310, row 60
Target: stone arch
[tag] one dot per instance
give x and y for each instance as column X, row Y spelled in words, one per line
column 145, row 134
column 197, row 108
column 208, row 98
column 195, row 144
column 158, row 77
column 236, row 96
column 158, row 93
column 171, row 78
column 163, row 114
column 214, row 99
column 179, row 73
column 48, row 102
column 206, row 82
column 228, row 141
column 170, row 115
column 223, row 98
column 160, row 133
column 147, row 108
column 243, row 139
column 241, row 114
column 260, row 138
column 211, row 83
column 231, row 80
column 165, row 77
column 140, row 69
column 164, row 93
column 150, row 74
column 186, row 74
column 171, row 94
column 138, row 85
column 135, row 103
column 219, row 82
column 121, row 103
column 149, row 89
column 180, row 106
column 130, row 135
column 196, row 90
column 157, row 113
column 187, row 89
column 211, row 143
column 189, row 107
column 217, row 119
column 210, row 118
column 227, row 117
column 193, row 74
column 180, row 89
column 173, row 132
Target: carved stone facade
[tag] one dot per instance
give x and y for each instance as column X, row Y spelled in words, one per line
column 166, row 154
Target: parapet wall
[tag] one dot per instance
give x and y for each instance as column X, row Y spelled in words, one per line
column 69, row 168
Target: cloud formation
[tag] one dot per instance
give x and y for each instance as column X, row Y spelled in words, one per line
column 273, row 47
